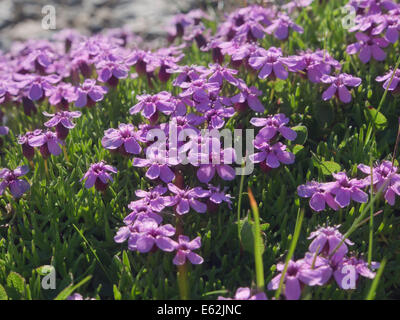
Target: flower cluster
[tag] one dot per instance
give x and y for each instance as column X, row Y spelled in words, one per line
column 11, row 179
column 272, row 152
column 327, row 258
column 391, row 81
column 338, row 194
column 376, row 25
column 166, row 142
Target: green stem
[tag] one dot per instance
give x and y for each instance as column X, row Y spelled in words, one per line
column 358, row 221
column 371, row 220
column 240, row 202
column 293, row 244
column 182, row 275
column 258, row 250
column 183, row 282
column 371, row 126
column 374, row 285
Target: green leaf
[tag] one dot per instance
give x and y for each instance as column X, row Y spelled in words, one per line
column 247, row 236
column 279, row 85
column 117, row 294
column 376, row 117
column 125, row 261
column 44, row 270
column 329, row 167
column 15, row 285
column 297, row 148
column 3, row 293
column 63, row 295
column 302, row 135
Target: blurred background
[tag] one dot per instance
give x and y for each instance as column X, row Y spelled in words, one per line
column 22, row 19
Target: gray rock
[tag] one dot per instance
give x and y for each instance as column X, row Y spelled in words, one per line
column 21, row 19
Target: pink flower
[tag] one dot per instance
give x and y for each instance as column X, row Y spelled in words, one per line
column 98, row 175
column 184, row 248
column 338, row 86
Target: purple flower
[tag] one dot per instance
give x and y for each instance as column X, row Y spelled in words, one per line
column 150, row 233
column 62, row 121
column 319, row 197
column 140, row 212
column 346, row 189
column 213, row 162
column 280, row 27
column 239, row 52
column 353, row 267
column 270, row 63
column 197, row 33
column 368, row 46
column 98, row 175
column 199, row 90
column 245, row 294
column 124, row 139
column 167, row 63
column 90, row 93
column 339, row 86
column 8, row 89
column 180, row 22
column 37, row 60
column 111, row 71
column 326, row 240
column 188, row 73
column 251, row 30
column 389, row 25
column 216, row 197
column 385, row 179
column 36, row 85
column 144, row 61
column 292, row 5
column 186, row 199
column 215, row 117
column 302, row 272
column 48, row 143
column 158, row 162
column 315, row 64
column 150, row 104
column 152, row 199
column 62, row 95
column 184, row 249
column 216, row 52
column 77, row 296
column 10, row 179
column 248, row 97
column 271, row 155
column 4, row 130
column 394, row 85
column 273, row 125
column 27, row 150
column 220, row 73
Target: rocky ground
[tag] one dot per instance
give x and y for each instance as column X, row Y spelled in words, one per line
column 22, row 19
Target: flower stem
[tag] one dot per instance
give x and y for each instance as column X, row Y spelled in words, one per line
column 292, row 248
column 396, row 145
column 258, row 250
column 46, row 169
column 183, row 282
column 65, row 153
column 371, row 220
column 372, row 291
column 182, row 274
column 240, row 203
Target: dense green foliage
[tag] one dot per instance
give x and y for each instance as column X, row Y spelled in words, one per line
column 60, row 223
